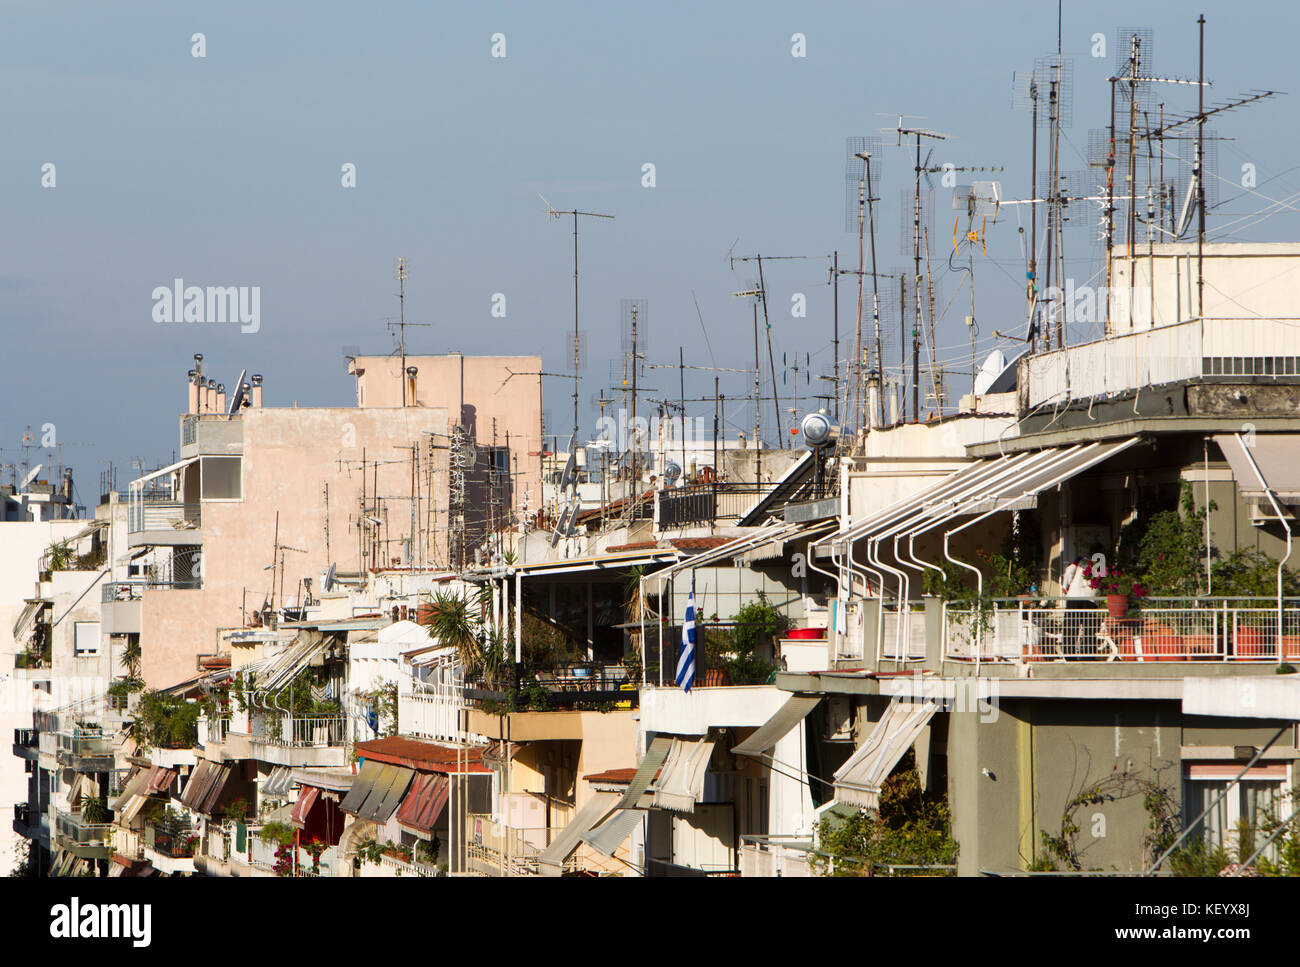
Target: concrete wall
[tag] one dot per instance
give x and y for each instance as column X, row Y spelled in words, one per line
column 289, row 454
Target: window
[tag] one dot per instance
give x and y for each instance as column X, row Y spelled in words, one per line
column 222, row 478
column 1252, row 802
column 85, row 638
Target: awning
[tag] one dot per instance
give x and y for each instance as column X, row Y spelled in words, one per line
column 207, row 782
column 74, row 789
column 778, row 726
column 132, row 809
column 307, row 797
column 159, row 780
column 135, row 784
column 162, row 471
column 1276, row 454
column 610, row 835
column 377, row 791
column 279, row 784
column 681, row 781
column 330, row 782
column 282, row 668
column 425, row 802
column 566, row 841
column 646, row 771
column 26, row 620
column 858, row 781
column 998, row 483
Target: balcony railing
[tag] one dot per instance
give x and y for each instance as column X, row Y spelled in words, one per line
column 171, row 838
column 162, row 515
column 315, row 732
column 706, row 503
column 1161, row 630
column 71, row 828
column 26, row 738
column 84, row 750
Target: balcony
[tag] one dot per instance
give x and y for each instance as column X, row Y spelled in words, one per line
column 26, row 743
column 86, row 750
column 700, row 504
column 86, row 840
column 769, row 856
column 171, row 838
column 211, row 434
column 163, row 523
column 310, row 742
column 1162, row 630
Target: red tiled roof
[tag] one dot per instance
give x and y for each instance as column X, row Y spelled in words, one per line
column 215, row 661
column 699, row 543
column 612, row 775
column 638, row 546
column 399, row 750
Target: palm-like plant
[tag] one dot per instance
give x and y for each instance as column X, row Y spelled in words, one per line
column 635, row 604
column 455, row 620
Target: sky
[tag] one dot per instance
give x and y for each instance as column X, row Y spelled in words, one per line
column 228, row 170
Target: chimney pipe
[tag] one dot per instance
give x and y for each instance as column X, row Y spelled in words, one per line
column 193, row 390
column 210, row 397
column 221, row 398
column 257, row 389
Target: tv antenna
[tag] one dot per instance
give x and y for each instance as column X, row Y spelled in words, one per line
column 577, row 336
column 400, row 275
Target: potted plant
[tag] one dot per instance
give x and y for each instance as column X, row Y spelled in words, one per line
column 1118, row 587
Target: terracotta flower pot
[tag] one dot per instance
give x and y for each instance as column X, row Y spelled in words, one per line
column 1117, row 605
column 1161, row 642
column 1250, row 644
column 716, row 677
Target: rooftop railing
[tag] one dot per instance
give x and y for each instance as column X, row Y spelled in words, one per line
column 1186, row 630
column 161, row 515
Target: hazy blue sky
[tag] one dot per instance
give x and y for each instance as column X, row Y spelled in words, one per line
column 225, row 170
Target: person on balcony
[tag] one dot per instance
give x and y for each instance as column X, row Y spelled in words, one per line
column 1080, row 628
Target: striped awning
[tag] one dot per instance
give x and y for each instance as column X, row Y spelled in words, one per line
column 597, row 808
column 646, row 771
column 377, row 791
column 132, row 809
column 307, row 797
column 858, row 781
column 610, row 835
column 207, row 782
column 281, row 669
column 136, row 780
column 681, row 781
column 159, row 780
column 26, row 620
column 778, row 726
column 425, row 802
column 279, row 784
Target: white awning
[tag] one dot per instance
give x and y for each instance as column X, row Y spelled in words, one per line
column 282, row 668
column 858, row 781
column 778, row 726
column 610, row 835
column 26, row 620
column 681, row 780
column 566, row 841
column 1276, row 454
column 171, row 468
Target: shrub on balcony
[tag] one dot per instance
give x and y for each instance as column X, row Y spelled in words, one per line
column 94, row 810
column 910, row 829
column 278, row 833
column 166, row 722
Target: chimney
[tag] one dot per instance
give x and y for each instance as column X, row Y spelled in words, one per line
column 193, row 392
column 257, row 390
column 67, row 483
column 873, row 401
column 221, row 397
column 410, row 383
column 210, row 397
column 196, row 380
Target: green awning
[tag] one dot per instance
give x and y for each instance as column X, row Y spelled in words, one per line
column 646, row 771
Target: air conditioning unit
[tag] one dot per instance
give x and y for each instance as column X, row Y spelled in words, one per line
column 839, row 718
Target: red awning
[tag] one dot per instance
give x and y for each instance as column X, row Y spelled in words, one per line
column 424, row 803
column 307, row 796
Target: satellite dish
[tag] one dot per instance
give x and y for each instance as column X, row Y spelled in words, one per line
column 672, row 470
column 30, row 476
column 998, row 374
column 327, row 581
column 237, row 397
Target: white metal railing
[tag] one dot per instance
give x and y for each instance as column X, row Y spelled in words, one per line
column 328, row 864
column 907, row 644
column 1150, row 357
column 775, row 856
column 433, row 712
column 494, row 848
column 151, row 515
column 309, row 732
column 1158, row 631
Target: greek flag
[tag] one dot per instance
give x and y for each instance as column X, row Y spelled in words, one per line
column 686, row 657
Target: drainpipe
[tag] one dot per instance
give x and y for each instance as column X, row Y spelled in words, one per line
column 811, row 559
column 1268, row 492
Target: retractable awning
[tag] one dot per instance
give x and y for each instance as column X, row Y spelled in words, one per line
column 858, row 781
column 135, row 783
column 681, row 781
column 377, row 791
column 646, row 771
column 279, row 784
column 778, row 726
column 282, row 668
column 425, row 802
column 1276, row 454
column 159, row 781
column 74, row 789
column 26, row 620
column 613, row 832
column 207, row 782
column 161, row 471
column 307, row 797
column 597, row 808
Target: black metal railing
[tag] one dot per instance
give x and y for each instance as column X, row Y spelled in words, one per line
column 172, row 838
